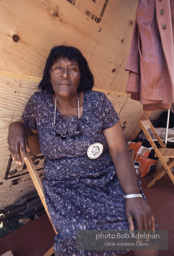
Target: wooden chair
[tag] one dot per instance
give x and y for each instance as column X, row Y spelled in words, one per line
column 34, row 150
column 162, row 153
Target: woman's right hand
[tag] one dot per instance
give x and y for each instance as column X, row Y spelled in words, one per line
column 17, row 138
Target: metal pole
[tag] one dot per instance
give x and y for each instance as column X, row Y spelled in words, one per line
column 167, row 127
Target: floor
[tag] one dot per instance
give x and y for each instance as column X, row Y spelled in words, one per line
column 36, row 237
column 161, row 199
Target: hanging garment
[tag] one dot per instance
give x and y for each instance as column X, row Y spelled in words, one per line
column 151, row 58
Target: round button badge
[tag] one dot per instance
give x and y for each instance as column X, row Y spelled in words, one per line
column 95, row 150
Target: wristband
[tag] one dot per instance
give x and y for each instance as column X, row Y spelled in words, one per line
column 132, row 196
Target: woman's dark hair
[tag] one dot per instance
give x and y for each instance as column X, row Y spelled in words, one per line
column 86, row 76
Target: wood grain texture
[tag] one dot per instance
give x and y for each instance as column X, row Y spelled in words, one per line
column 47, row 23
column 15, row 91
column 101, row 29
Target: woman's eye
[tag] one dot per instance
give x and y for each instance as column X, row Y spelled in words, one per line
column 58, row 67
column 73, row 69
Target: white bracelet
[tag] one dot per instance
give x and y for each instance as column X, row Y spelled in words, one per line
column 132, row 195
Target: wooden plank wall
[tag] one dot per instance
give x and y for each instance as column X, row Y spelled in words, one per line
column 101, row 29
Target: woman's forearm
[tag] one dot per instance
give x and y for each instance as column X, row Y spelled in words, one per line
column 121, row 158
column 125, row 171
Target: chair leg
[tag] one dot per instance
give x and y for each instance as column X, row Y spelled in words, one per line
column 50, row 252
column 161, row 172
column 170, row 165
column 157, row 177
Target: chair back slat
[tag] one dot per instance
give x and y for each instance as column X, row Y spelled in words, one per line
column 146, row 126
column 33, row 143
column 162, row 153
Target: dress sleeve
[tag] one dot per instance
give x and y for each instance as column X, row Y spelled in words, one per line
column 29, row 114
column 109, row 115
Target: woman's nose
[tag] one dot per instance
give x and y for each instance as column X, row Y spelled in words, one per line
column 65, row 73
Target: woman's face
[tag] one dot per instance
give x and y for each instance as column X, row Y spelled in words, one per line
column 65, row 77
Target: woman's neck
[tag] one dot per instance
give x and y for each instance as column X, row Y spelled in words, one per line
column 69, row 106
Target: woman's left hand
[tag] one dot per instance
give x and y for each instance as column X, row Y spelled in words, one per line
column 138, row 209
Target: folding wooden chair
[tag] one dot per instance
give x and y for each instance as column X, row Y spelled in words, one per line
column 162, row 152
column 34, row 150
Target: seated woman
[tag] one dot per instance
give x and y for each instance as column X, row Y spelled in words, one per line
column 90, row 181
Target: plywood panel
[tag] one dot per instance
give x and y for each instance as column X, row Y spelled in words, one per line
column 39, row 25
column 101, row 29
column 129, row 111
column 15, row 91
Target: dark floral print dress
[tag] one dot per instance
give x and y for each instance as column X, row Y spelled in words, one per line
column 81, row 193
